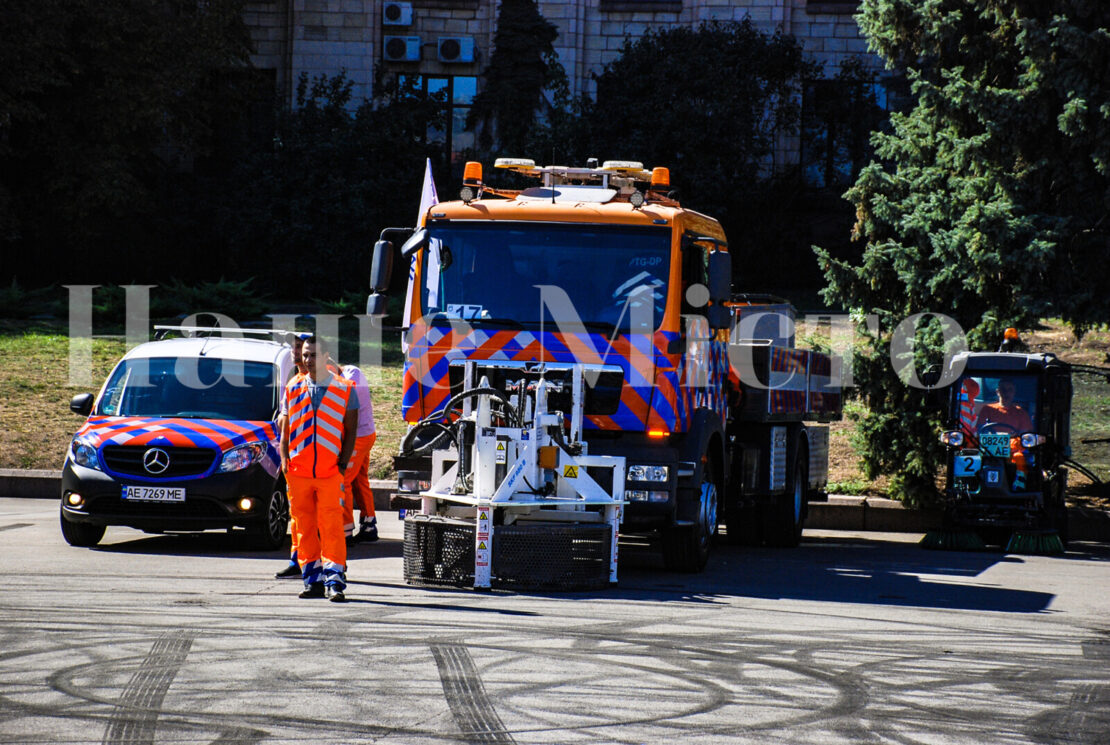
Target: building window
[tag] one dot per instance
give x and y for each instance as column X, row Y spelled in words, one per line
column 458, row 93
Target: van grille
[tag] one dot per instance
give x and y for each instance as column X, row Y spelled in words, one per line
column 184, row 461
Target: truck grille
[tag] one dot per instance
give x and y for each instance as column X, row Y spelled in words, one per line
column 184, row 461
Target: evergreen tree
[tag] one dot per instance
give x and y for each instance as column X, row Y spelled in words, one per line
column 523, row 65
column 989, row 199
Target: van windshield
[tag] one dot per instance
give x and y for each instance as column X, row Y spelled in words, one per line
column 193, row 388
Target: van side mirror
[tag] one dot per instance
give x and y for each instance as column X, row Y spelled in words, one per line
column 82, row 404
column 381, row 269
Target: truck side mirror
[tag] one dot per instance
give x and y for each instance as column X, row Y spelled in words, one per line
column 82, row 404
column 418, row 241
column 719, row 316
column 381, row 269
column 375, row 305
column 720, row 277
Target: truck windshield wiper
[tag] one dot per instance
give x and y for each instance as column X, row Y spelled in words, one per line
column 510, row 323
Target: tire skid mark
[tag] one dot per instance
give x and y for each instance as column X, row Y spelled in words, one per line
column 13, row 526
column 906, row 718
column 135, row 718
column 466, row 696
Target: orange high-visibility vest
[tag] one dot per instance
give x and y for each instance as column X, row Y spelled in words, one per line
column 968, row 392
column 316, row 436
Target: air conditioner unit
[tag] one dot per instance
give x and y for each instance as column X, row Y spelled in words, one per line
column 396, row 14
column 456, row 49
column 401, row 48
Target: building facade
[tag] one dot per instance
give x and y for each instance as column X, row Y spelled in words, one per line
column 447, row 43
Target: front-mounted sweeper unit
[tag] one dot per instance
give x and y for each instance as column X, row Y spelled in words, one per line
column 515, row 499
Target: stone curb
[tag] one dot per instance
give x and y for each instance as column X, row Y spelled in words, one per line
column 839, row 513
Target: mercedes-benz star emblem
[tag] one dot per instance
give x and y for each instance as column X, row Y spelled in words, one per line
column 156, row 461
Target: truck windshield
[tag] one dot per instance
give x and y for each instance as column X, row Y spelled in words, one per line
column 997, row 403
column 195, row 388
column 611, row 274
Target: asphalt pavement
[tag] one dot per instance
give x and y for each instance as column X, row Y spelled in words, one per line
column 853, row 637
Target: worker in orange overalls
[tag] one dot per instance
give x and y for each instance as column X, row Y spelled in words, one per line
column 293, row 568
column 357, row 480
column 1008, row 415
column 317, row 440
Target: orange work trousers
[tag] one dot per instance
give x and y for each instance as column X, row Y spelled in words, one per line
column 317, row 509
column 357, row 483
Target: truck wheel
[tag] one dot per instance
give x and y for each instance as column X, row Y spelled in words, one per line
column 270, row 533
column 784, row 517
column 686, row 547
column 80, row 534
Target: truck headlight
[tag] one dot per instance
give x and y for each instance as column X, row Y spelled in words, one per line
column 952, row 439
column 84, row 454
column 649, row 473
column 241, row 457
column 639, row 495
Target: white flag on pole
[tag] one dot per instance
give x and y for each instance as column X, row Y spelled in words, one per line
column 428, row 197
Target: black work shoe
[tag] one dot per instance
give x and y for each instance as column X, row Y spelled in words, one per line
column 369, row 531
column 353, row 539
column 334, row 595
column 315, row 590
column 290, row 571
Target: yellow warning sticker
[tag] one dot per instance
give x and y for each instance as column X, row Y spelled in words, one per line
column 482, row 546
column 570, row 472
column 500, row 446
column 483, row 515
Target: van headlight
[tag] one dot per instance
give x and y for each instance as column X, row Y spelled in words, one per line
column 241, row 457
column 84, row 454
column 648, row 473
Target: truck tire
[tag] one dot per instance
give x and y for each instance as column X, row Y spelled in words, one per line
column 784, row 517
column 686, row 547
column 80, row 534
column 269, row 533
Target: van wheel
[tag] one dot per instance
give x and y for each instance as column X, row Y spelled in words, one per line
column 80, row 534
column 270, row 533
column 784, row 517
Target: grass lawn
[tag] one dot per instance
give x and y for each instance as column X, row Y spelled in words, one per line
column 36, row 424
